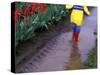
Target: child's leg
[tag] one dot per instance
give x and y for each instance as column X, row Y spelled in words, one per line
column 77, row 33
column 74, row 28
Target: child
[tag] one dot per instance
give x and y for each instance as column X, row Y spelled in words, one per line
column 76, row 19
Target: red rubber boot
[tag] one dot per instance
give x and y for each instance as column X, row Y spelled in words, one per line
column 73, row 37
column 75, row 41
column 76, row 36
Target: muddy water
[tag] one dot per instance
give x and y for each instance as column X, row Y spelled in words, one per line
column 59, row 53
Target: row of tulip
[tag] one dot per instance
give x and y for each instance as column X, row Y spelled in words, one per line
column 30, row 16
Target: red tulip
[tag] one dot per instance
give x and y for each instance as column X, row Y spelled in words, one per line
column 16, row 15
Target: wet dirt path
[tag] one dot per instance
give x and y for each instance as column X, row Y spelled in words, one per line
column 58, row 53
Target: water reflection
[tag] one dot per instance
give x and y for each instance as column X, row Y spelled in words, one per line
column 74, row 61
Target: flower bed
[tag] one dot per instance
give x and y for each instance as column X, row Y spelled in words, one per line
column 30, row 16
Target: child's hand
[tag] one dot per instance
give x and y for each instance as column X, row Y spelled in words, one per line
column 88, row 13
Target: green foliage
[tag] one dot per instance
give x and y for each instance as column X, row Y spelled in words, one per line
column 25, row 31
column 91, row 61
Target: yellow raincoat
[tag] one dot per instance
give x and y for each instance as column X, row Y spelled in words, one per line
column 77, row 15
